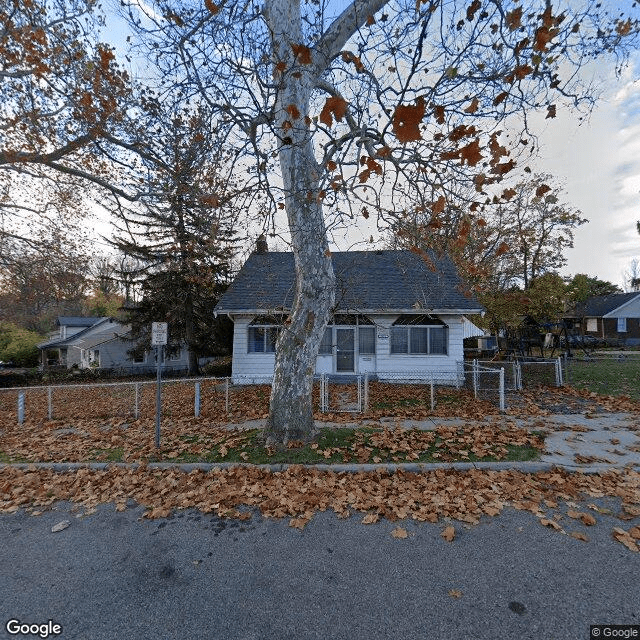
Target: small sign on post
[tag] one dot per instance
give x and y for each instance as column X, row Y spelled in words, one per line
column 159, row 332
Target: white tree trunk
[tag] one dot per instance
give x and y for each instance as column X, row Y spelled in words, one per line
column 297, row 72
column 291, row 410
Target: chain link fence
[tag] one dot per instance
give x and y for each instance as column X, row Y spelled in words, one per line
column 226, row 399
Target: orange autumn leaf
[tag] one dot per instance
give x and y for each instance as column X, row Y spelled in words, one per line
column 334, row 105
column 501, row 97
column 542, row 189
column 473, row 106
column 503, row 248
column 438, row 205
column 514, row 19
column 471, row 153
column 438, row 112
column 302, row 53
column 449, row 533
column 406, row 121
column 399, row 533
column 213, row 8
column 293, row 111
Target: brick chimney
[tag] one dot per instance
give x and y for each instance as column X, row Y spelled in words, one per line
column 261, row 245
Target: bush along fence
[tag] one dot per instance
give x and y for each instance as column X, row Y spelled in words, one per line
column 241, row 398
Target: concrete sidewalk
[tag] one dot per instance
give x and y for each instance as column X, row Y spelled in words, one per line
column 592, row 443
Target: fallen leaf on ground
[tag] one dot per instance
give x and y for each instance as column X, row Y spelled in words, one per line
column 449, row 533
column 579, row 536
column 399, row 532
column 455, row 593
column 370, row 518
column 624, row 538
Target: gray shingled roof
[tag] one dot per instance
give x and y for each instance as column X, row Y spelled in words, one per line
column 78, row 321
column 366, row 281
column 599, row 306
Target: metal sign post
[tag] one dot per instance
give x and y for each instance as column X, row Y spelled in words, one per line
column 158, row 339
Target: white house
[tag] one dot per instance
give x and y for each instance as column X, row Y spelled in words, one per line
column 396, row 313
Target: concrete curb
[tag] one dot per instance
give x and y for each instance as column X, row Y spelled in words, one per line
column 522, row 467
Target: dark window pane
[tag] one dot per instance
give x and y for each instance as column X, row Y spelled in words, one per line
column 438, row 340
column 325, row 345
column 419, row 339
column 399, row 340
column 256, row 340
column 272, row 336
column 367, row 340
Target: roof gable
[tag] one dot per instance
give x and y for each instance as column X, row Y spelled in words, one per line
column 599, row 306
column 365, row 280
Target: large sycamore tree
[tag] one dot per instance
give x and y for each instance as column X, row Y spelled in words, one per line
column 363, row 108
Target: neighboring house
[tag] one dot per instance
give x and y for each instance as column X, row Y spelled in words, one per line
column 615, row 317
column 103, row 343
column 394, row 313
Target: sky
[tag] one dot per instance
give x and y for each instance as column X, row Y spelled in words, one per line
column 598, row 162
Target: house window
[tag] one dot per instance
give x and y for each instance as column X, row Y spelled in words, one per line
column 367, row 341
column 592, row 325
column 263, row 339
column 173, row 353
column 326, row 345
column 94, row 358
column 622, row 325
column 408, row 338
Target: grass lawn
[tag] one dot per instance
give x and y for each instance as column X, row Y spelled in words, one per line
column 375, row 446
column 608, row 377
column 332, row 446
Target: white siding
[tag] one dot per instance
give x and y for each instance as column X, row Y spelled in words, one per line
column 248, row 367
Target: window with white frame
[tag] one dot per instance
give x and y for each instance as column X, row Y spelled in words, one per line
column 418, row 335
column 622, row 325
column 592, row 324
column 263, row 333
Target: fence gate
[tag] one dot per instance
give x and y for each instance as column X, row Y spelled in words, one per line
column 341, row 394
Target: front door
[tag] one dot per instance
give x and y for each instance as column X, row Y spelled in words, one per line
column 345, row 355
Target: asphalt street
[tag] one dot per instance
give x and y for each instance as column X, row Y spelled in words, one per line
column 113, row 575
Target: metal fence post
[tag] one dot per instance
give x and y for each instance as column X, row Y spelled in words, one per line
column 359, row 382
column 559, row 381
column 566, row 367
column 136, row 402
column 502, row 389
column 226, row 394
column 50, row 403
column 366, row 392
column 196, row 409
column 475, row 378
column 21, row 407
column 433, row 402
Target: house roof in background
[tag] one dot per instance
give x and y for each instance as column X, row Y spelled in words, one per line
column 78, row 321
column 600, row 306
column 62, row 342
column 374, row 281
